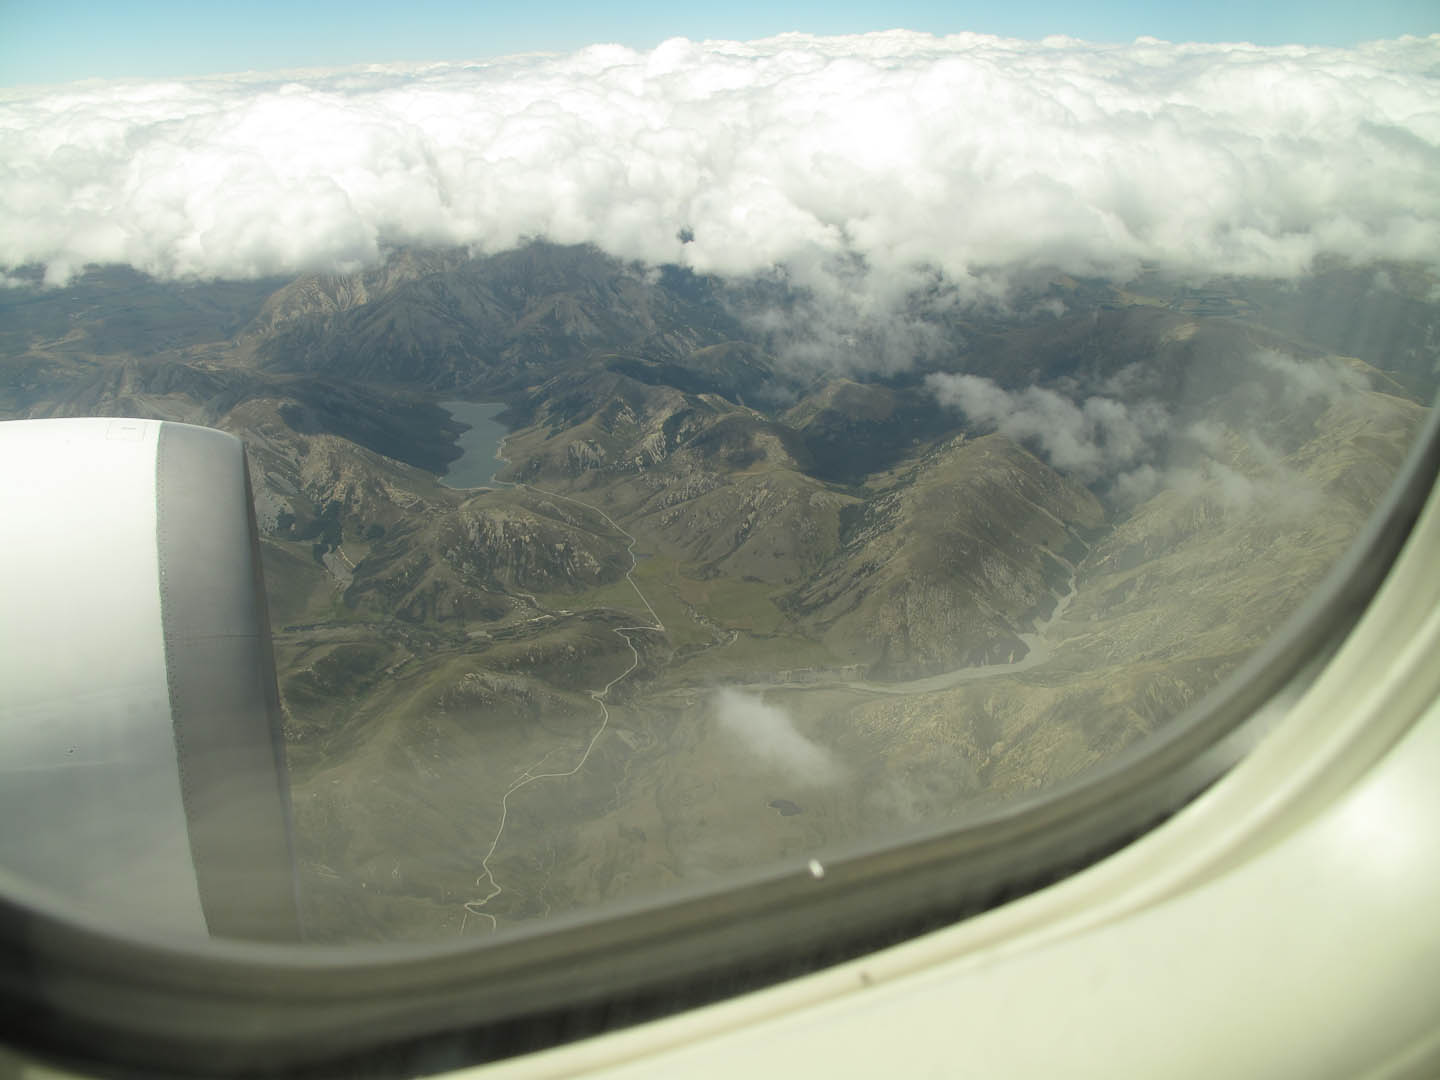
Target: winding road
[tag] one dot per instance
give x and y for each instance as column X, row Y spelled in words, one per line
column 530, row 776
column 1039, row 646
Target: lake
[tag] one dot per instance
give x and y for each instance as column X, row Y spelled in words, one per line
column 477, row 464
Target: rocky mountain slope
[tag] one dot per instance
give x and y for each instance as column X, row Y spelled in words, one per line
column 448, row 322
column 949, row 560
column 719, row 609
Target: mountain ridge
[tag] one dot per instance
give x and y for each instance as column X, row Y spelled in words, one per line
column 922, row 594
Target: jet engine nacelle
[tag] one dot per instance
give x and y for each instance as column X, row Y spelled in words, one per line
column 142, row 770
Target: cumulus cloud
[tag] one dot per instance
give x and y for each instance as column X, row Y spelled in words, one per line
column 1090, row 439
column 1130, row 450
column 899, row 153
column 1268, row 486
column 1326, row 380
column 769, row 734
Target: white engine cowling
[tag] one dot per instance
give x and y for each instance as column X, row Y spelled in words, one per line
column 142, row 769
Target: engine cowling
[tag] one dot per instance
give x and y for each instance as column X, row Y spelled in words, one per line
column 142, row 765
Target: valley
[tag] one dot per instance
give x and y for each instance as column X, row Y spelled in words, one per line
column 719, row 610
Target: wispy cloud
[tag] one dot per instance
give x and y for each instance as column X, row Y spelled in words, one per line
column 1131, row 449
column 768, row 733
column 1091, row 438
column 902, row 154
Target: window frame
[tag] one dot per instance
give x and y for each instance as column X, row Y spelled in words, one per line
column 82, row 995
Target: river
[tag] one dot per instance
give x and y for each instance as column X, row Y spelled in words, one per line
column 1038, row 644
column 480, row 445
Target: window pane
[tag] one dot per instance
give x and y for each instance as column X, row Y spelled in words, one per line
column 669, row 463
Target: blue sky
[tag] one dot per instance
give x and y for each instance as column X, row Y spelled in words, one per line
column 44, row 41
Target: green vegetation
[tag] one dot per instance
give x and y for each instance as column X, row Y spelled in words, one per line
column 737, row 605
column 471, row 722
column 756, row 658
column 691, row 608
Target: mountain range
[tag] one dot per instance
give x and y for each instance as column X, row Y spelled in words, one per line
column 711, row 581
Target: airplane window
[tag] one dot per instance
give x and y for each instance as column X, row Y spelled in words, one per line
column 689, row 481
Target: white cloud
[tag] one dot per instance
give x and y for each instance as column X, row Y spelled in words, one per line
column 969, row 154
column 1271, row 488
column 1091, row 439
column 1328, row 380
column 1138, row 447
column 769, row 734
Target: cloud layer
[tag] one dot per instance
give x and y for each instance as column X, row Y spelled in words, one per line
column 894, row 151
